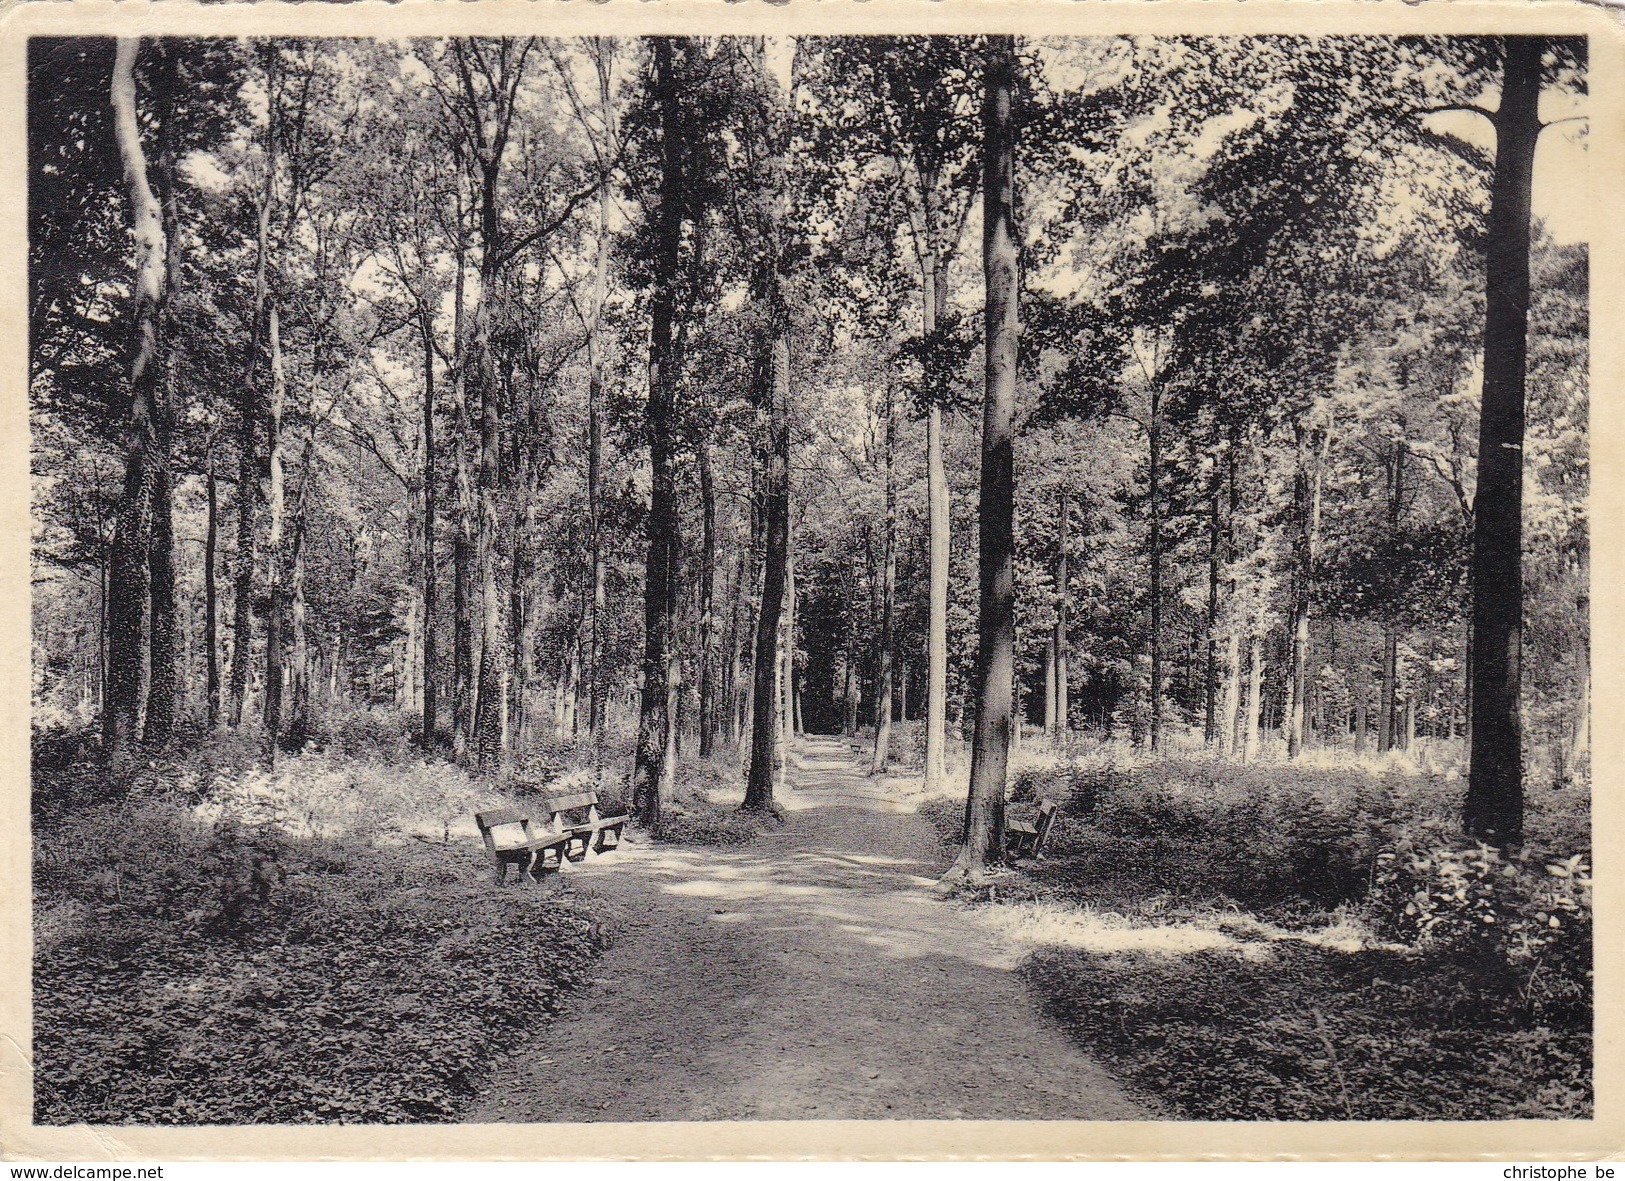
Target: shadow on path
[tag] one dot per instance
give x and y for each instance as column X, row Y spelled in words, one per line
column 812, row 975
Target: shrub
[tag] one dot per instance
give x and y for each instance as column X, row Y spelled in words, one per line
column 697, row 822
column 390, row 738
column 946, row 816
column 1524, row 919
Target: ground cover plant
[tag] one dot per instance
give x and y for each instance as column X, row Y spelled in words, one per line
column 1456, row 983
column 202, row 959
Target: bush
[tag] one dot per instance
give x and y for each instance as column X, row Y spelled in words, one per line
column 1524, row 920
column 1478, row 1006
column 697, row 822
column 389, row 738
column 946, row 816
column 1296, row 842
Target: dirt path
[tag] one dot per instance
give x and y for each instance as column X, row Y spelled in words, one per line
column 811, row 975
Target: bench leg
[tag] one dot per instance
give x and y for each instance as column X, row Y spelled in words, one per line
column 502, row 872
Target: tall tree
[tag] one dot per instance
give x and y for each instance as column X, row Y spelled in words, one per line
column 773, row 717
column 654, row 767
column 248, row 400
column 917, row 111
column 128, row 580
column 888, row 586
column 163, row 688
column 995, row 663
column 1494, row 807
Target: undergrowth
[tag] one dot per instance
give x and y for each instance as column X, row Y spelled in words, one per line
column 1308, row 1033
column 300, row 945
column 1468, row 997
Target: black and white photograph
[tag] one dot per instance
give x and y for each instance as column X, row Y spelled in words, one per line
column 720, row 577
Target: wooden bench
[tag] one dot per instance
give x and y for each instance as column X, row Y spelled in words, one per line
column 577, row 816
column 1027, row 840
column 510, row 840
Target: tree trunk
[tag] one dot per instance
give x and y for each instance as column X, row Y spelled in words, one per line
column 791, row 726
column 1232, row 693
column 297, row 617
column 595, row 445
column 936, row 696
column 129, row 576
column 1232, row 738
column 1307, row 496
column 888, row 591
column 995, row 663
column 708, row 619
column 1580, row 747
column 276, row 614
column 1063, row 610
column 1255, row 693
column 737, row 613
column 463, row 541
column 163, row 681
column 773, row 395
column 1049, row 685
column 1494, row 808
column 656, row 724
column 1210, row 686
column 211, row 609
column 1153, row 491
column 242, row 636
column 163, row 673
column 489, row 695
column 431, row 698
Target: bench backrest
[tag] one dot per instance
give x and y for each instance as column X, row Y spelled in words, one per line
column 497, row 818
column 1046, row 818
column 573, row 803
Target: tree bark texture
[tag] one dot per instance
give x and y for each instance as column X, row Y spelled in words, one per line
column 773, row 394
column 654, row 715
column 938, row 512
column 211, row 606
column 888, row 590
column 431, row 591
column 708, row 620
column 1494, row 807
column 995, row 662
column 248, row 418
column 128, row 576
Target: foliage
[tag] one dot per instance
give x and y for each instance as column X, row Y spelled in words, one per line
column 189, row 973
column 1527, row 916
column 1308, row 1033
column 697, row 822
column 1465, row 995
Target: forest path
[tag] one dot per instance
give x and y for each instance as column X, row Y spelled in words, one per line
column 812, row 975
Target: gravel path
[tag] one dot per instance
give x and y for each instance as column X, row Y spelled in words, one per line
column 811, row 975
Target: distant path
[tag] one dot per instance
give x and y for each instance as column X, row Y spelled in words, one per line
column 811, row 975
